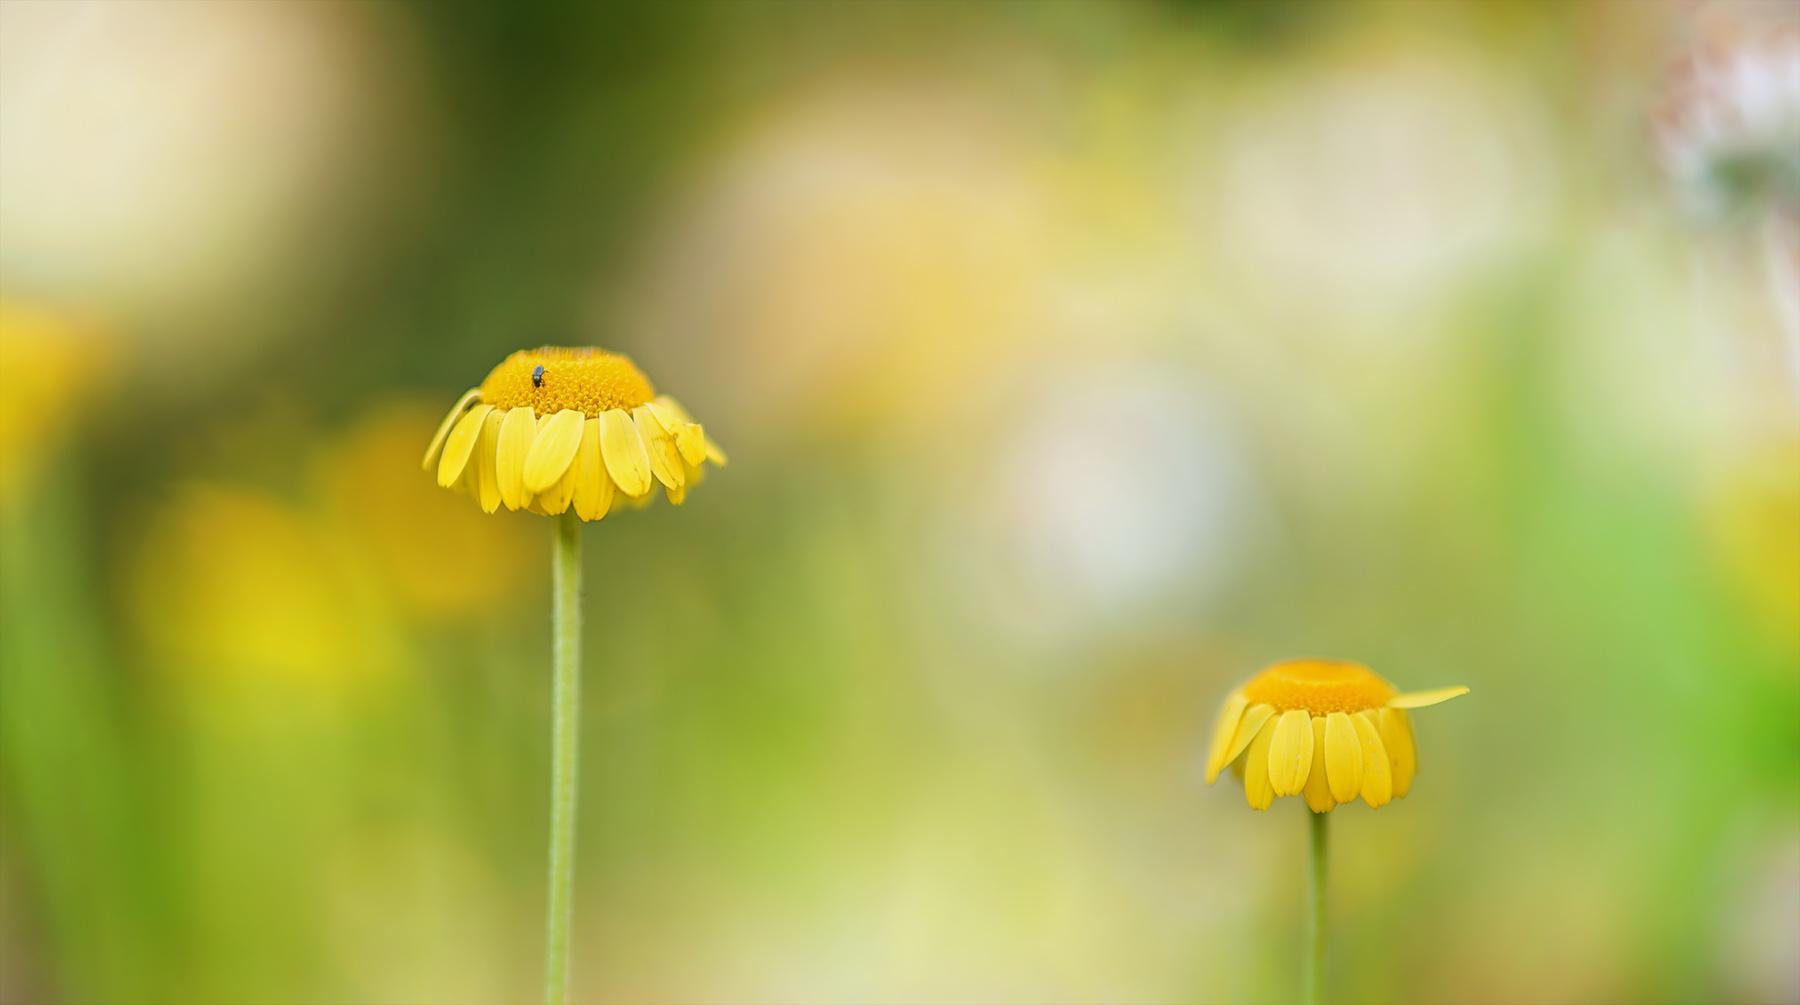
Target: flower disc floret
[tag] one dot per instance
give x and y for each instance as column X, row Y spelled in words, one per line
column 1319, row 687
column 589, row 381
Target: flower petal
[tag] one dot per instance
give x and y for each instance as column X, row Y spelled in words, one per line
column 714, row 454
column 553, row 449
column 665, row 460
column 443, row 429
column 1397, row 737
column 1378, row 774
column 1420, row 699
column 1318, row 789
column 486, row 453
column 690, row 439
column 1253, row 720
column 623, row 451
column 1343, row 757
column 1290, row 752
column 1223, row 730
column 593, row 488
column 516, row 434
column 459, row 444
column 664, row 416
column 1258, row 791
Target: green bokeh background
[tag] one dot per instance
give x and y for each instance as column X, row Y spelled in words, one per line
column 880, row 714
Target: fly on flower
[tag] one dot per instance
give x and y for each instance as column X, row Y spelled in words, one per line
column 595, row 438
column 1325, row 729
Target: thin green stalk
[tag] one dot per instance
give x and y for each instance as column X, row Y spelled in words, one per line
column 1315, row 929
column 565, row 576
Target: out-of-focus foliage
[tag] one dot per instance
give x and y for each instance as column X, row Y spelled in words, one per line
column 1075, row 361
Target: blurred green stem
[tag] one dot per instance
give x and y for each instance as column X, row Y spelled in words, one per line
column 565, row 575
column 1315, row 929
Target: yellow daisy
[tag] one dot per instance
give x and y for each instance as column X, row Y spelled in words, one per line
column 1326, row 729
column 554, row 428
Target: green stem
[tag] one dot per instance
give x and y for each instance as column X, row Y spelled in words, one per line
column 565, row 576
column 1315, row 929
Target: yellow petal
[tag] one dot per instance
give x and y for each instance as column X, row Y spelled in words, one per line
column 553, row 449
column 516, row 434
column 443, row 429
column 665, row 461
column 1223, row 731
column 593, row 489
column 1343, row 757
column 690, row 439
column 1378, row 774
column 556, row 498
column 1258, row 791
column 623, row 451
column 1420, row 699
column 674, row 408
column 677, row 494
column 713, row 453
column 460, row 444
column 664, row 416
column 1318, row 790
column 1397, row 737
column 1290, row 752
column 1253, row 720
column 488, row 490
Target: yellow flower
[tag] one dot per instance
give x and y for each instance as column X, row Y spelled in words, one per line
column 553, row 428
column 1326, row 729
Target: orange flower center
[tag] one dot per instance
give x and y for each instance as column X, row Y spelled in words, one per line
column 1319, row 687
column 552, row 379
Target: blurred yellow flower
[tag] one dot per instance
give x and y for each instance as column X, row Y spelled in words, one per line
column 1326, row 729
column 554, row 427
column 235, row 585
column 46, row 358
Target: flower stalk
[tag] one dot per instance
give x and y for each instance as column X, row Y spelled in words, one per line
column 565, row 577
column 1315, row 929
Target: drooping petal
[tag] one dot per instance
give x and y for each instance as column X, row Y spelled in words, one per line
column 1291, row 752
column 674, row 408
column 1343, row 757
column 1253, row 720
column 665, row 460
column 460, row 444
column 713, row 453
column 664, row 416
column 1378, row 774
column 677, row 494
column 516, row 434
column 593, row 488
column 555, row 499
column 553, row 449
column 443, row 429
column 690, row 439
column 623, row 451
column 1223, row 731
column 486, row 453
column 1420, row 699
column 1258, row 791
column 1397, row 737
column 1318, row 789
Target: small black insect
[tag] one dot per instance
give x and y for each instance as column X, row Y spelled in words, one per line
column 537, row 376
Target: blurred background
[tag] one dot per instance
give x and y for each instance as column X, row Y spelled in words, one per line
column 1075, row 361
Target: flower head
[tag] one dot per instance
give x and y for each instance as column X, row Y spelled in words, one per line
column 552, row 428
column 1326, row 729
